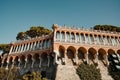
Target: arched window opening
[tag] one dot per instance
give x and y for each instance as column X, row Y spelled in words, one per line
column 77, row 37
column 57, row 35
column 82, row 39
column 72, row 38
column 63, row 36
column 68, row 37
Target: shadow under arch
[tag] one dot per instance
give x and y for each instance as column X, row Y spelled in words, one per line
column 44, row 59
column 71, row 52
column 37, row 60
column 16, row 61
column 81, row 54
column 10, row 62
column 92, row 53
column 102, row 56
column 22, row 61
column 61, row 54
column 29, row 61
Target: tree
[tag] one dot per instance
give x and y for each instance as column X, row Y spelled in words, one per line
column 34, row 31
column 9, row 74
column 107, row 28
column 88, row 72
column 5, row 48
column 33, row 76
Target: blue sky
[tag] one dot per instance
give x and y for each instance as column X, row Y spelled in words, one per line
column 19, row 15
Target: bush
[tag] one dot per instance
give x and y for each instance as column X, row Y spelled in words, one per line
column 88, row 72
column 33, row 76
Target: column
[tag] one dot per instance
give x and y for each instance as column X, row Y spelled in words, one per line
column 12, row 63
column 40, row 62
column 75, row 38
column 106, row 59
column 54, row 35
column 31, row 46
column 34, row 45
column 19, row 63
column 65, row 37
column 25, row 62
column 6, row 65
column 65, row 59
column 96, row 58
column 84, row 39
column 76, row 58
column 16, row 49
column 86, row 56
column 22, row 48
column 27, row 47
column 60, row 37
column 48, row 60
column 55, row 58
column 11, row 49
column 19, row 48
column 33, row 61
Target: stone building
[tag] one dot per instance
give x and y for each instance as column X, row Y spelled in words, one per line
column 65, row 46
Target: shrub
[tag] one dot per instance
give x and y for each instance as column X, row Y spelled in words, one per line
column 88, row 72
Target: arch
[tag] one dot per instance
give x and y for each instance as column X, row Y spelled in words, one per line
column 72, row 37
column 82, row 38
column 63, row 35
column 101, row 54
column 16, row 60
column 77, row 37
column 5, row 62
column 61, row 54
column 10, row 61
column 44, row 59
column 67, row 36
column 111, row 51
column 92, row 55
column 118, row 51
column 91, row 38
column 61, row 51
column 81, row 54
column 58, row 35
column 36, row 57
column 29, row 58
column 22, row 59
column 71, row 52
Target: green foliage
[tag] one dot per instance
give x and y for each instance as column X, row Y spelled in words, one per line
column 107, row 28
column 9, row 74
column 33, row 76
column 115, row 75
column 5, row 48
column 34, row 31
column 88, row 72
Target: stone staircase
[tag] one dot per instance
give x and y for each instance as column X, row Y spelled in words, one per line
column 104, row 71
column 65, row 72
